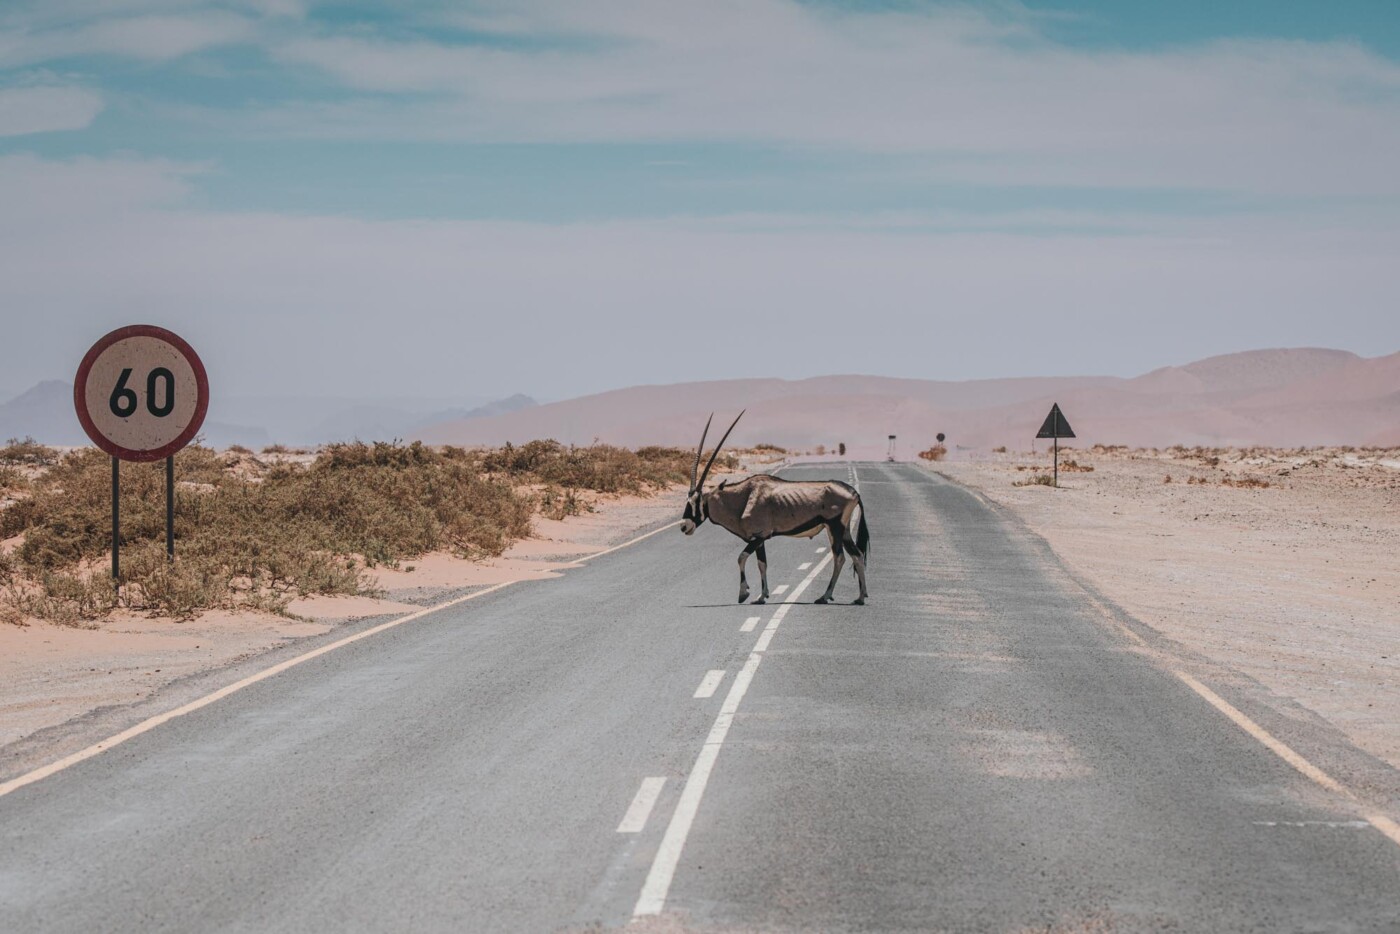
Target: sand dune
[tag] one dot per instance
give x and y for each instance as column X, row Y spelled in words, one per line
column 1290, row 397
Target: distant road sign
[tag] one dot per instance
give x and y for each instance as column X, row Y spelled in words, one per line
column 1055, row 425
column 141, row 393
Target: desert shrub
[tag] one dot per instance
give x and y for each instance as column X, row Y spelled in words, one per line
column 935, row 453
column 28, row 452
column 999, row 450
column 11, row 615
column 771, row 448
column 1167, row 478
column 1073, row 466
column 1039, row 480
column 1246, row 483
column 276, row 449
column 12, row 480
column 251, row 534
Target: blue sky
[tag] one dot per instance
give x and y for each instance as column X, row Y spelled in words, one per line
column 483, row 198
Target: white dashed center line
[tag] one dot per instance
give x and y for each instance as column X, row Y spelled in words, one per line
column 804, row 565
column 663, row 868
column 780, row 589
column 749, row 623
column 640, row 809
column 708, row 683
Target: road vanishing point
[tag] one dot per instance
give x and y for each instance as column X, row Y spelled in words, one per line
column 988, row 746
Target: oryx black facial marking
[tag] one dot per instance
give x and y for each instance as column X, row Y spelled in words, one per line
column 763, row 506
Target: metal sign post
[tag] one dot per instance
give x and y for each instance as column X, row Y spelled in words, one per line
column 141, row 395
column 1056, row 427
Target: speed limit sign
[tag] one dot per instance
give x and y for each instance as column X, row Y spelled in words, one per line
column 141, row 393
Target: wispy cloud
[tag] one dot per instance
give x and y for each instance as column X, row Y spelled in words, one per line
column 148, row 38
column 43, row 109
column 990, row 92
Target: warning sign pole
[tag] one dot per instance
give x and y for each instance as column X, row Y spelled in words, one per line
column 1056, row 427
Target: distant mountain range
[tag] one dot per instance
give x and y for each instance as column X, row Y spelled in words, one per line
column 1297, row 397
column 45, row 413
column 1294, row 397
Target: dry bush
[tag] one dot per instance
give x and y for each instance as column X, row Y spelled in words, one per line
column 999, row 450
column 820, row 450
column 1039, row 480
column 275, row 449
column 27, row 452
column 1167, row 478
column 1073, row 466
column 769, row 448
column 12, row 480
column 256, row 535
column 935, row 453
column 1246, row 483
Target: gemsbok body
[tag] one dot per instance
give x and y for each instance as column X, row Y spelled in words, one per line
column 762, row 506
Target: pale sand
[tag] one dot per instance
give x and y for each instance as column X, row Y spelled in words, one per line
column 1293, row 585
column 51, row 674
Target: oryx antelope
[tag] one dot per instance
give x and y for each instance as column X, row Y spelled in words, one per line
column 762, row 506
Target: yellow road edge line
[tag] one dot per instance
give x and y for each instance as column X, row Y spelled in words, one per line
column 1380, row 822
column 1275, row 745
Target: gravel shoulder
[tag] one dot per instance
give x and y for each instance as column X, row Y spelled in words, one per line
column 1278, row 564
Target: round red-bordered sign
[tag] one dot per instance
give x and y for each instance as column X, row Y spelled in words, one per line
column 141, row 393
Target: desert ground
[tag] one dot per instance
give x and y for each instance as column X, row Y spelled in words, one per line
column 1277, row 564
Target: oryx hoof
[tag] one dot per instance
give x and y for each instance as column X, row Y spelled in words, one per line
column 760, row 600
column 858, row 601
column 822, row 600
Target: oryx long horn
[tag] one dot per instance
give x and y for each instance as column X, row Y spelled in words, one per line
column 700, row 452
column 706, row 474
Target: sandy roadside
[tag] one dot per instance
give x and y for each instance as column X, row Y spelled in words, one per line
column 51, row 674
column 1292, row 584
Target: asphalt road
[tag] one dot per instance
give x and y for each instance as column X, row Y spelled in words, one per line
column 979, row 749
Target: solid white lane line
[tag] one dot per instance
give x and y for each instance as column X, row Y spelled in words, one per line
column 821, row 549
column 1379, row 821
column 804, row 565
column 652, row 899
column 749, row 623
column 709, row 683
column 780, row 589
column 637, row 813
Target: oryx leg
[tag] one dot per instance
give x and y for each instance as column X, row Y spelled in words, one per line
column 838, row 559
column 763, row 571
column 858, row 560
column 749, row 549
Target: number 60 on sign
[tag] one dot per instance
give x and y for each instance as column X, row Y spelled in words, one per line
column 141, row 393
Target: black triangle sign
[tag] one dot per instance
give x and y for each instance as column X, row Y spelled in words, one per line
column 1055, row 425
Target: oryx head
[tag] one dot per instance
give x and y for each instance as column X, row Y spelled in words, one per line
column 695, row 512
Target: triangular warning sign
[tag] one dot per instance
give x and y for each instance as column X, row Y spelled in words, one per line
column 1055, row 425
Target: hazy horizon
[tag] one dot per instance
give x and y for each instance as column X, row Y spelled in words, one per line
column 470, row 201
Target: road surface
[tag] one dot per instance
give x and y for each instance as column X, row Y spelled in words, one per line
column 982, row 748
